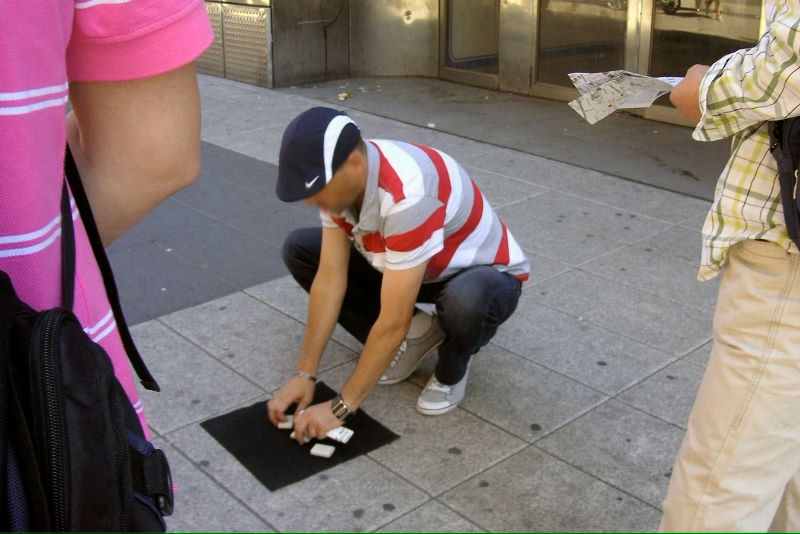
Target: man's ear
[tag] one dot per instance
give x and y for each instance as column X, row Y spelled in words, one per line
column 356, row 157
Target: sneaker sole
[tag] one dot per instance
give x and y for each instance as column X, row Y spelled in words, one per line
column 438, row 411
column 392, row 381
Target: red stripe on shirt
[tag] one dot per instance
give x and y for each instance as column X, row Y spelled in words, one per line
column 501, row 257
column 416, row 237
column 343, row 224
column 373, row 242
column 441, row 170
column 441, row 260
column 388, row 179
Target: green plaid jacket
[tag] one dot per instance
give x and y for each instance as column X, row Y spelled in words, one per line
column 738, row 94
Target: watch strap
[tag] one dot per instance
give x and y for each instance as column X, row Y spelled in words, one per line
column 340, row 409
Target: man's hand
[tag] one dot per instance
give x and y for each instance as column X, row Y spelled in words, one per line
column 686, row 94
column 299, row 389
column 314, row 421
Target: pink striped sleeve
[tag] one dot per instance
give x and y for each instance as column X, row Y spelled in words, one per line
column 114, row 40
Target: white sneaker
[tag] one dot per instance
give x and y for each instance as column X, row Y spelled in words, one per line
column 423, row 337
column 438, row 398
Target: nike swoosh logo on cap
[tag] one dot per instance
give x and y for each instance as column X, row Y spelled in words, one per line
column 310, row 183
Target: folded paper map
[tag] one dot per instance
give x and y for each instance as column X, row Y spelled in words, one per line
column 602, row 93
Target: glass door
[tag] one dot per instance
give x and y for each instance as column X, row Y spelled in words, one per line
column 579, row 36
column 469, row 47
column 686, row 32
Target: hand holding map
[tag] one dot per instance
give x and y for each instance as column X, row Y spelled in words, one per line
column 602, row 93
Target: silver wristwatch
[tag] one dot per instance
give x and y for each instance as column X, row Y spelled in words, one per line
column 340, row 409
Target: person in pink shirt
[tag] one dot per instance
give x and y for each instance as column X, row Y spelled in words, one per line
column 125, row 67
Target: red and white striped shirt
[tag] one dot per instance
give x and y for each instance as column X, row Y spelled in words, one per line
column 420, row 205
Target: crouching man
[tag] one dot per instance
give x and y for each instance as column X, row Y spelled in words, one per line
column 422, row 232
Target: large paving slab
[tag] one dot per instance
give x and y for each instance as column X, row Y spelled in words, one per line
column 668, row 394
column 204, row 505
column 622, row 446
column 591, row 217
column 554, row 239
column 647, row 318
column 529, row 168
column 431, row 517
column 604, row 360
column 501, row 190
column 251, row 337
column 534, row 491
column 285, row 295
column 655, row 272
column 523, row 398
column 213, row 387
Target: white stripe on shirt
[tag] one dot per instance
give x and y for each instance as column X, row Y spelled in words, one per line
column 105, row 332
column 403, row 163
column 33, row 249
column 92, row 330
column 467, row 251
column 32, row 93
column 35, row 234
column 36, row 106
column 454, row 171
column 92, row 3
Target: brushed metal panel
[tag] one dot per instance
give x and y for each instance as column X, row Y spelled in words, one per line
column 247, row 37
column 638, row 36
column 394, row 37
column 516, row 46
column 311, row 40
column 212, row 61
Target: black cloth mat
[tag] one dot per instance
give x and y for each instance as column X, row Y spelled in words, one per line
column 277, row 461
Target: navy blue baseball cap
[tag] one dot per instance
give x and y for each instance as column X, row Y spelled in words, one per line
column 313, row 147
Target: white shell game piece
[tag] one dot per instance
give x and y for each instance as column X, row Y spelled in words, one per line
column 323, row 451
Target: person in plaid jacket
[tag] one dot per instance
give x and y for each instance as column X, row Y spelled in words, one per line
column 738, row 467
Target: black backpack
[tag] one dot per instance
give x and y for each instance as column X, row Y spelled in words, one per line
column 784, row 143
column 73, row 455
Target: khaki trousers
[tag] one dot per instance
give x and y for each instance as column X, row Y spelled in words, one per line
column 737, row 469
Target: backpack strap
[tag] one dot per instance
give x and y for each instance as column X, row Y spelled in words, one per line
column 781, row 147
column 76, row 186
column 67, row 250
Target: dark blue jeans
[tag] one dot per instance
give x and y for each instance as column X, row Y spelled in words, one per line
column 470, row 305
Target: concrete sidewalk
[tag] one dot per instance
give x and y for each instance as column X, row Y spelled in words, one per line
column 574, row 412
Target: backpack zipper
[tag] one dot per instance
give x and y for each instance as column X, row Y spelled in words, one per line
column 55, row 464
column 790, row 134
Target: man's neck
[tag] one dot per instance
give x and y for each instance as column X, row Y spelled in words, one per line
column 357, row 205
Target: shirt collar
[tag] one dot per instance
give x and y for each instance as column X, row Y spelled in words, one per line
column 368, row 218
